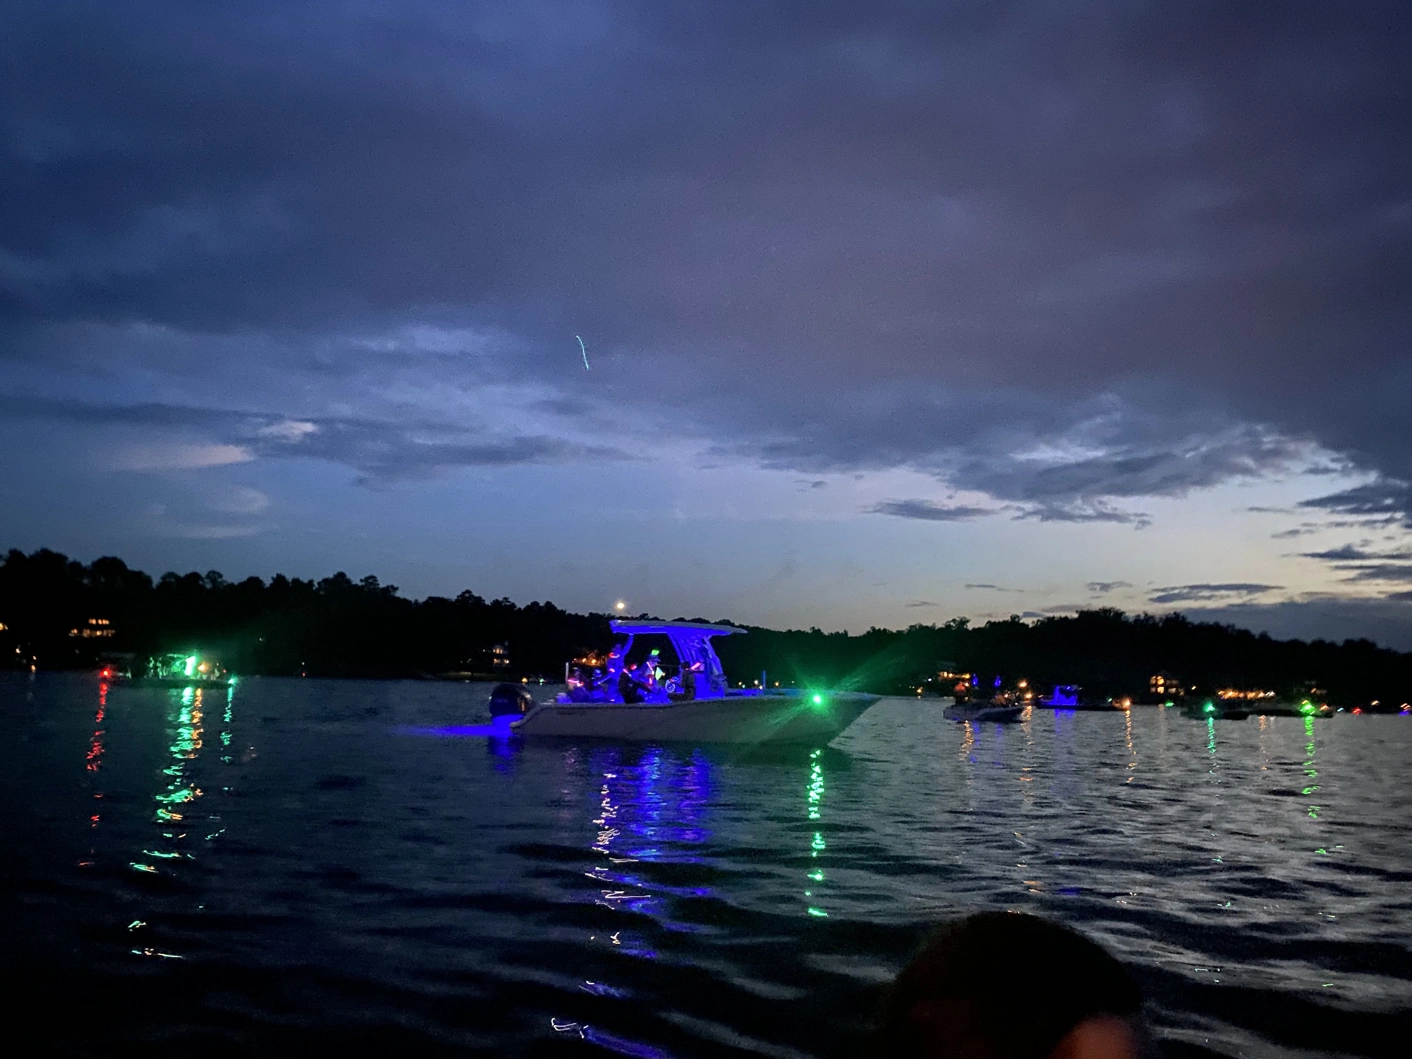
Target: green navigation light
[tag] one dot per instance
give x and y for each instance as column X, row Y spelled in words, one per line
column 190, row 665
column 818, row 700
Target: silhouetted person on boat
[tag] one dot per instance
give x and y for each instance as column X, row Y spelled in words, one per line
column 688, row 679
column 630, row 687
column 1003, row 985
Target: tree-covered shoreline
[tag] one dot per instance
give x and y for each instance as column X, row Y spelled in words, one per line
column 58, row 613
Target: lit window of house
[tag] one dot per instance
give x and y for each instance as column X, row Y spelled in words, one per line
column 94, row 628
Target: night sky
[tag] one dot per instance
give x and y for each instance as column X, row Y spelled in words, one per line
column 892, row 312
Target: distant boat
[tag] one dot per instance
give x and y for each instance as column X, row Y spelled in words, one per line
column 1216, row 710
column 686, row 698
column 115, row 668
column 998, row 711
column 1071, row 697
column 182, row 670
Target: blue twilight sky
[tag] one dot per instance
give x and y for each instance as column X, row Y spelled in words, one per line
column 893, row 312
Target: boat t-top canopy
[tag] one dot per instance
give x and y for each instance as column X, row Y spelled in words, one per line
column 669, row 627
column 692, row 642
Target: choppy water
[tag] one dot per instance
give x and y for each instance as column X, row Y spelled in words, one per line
column 281, row 869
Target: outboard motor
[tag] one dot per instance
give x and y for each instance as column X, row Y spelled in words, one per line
column 510, row 699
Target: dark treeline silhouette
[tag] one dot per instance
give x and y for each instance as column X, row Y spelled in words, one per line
column 333, row 627
column 50, row 606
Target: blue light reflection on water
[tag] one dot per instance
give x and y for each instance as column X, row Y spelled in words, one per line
column 498, row 728
column 651, row 810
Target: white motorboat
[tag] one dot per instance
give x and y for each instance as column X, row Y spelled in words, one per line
column 638, row 693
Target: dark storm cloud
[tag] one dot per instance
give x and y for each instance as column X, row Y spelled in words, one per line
column 1102, row 588
column 1060, row 463
column 928, row 511
column 1200, row 593
column 1166, row 245
column 1352, row 553
column 1362, row 565
column 1377, row 572
column 1086, row 510
column 383, row 452
column 1385, row 498
column 1139, row 470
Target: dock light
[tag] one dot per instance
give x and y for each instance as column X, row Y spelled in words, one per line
column 818, row 700
column 1306, row 706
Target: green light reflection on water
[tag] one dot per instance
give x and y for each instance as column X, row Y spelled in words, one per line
column 813, row 803
column 186, row 719
column 225, row 717
column 816, row 789
column 1309, row 769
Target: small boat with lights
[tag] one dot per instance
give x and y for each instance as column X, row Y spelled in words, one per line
column 973, row 703
column 1217, row 710
column 664, row 681
column 182, row 670
column 998, row 710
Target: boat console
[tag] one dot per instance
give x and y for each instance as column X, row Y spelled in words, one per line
column 696, row 672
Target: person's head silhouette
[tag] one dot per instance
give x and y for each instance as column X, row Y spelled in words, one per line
column 1003, row 985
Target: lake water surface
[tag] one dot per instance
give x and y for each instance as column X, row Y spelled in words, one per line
column 284, row 868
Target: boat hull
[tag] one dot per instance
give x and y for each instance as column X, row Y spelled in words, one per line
column 220, row 683
column 747, row 719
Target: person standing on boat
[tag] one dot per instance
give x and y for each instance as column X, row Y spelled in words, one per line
column 654, row 672
column 688, row 679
